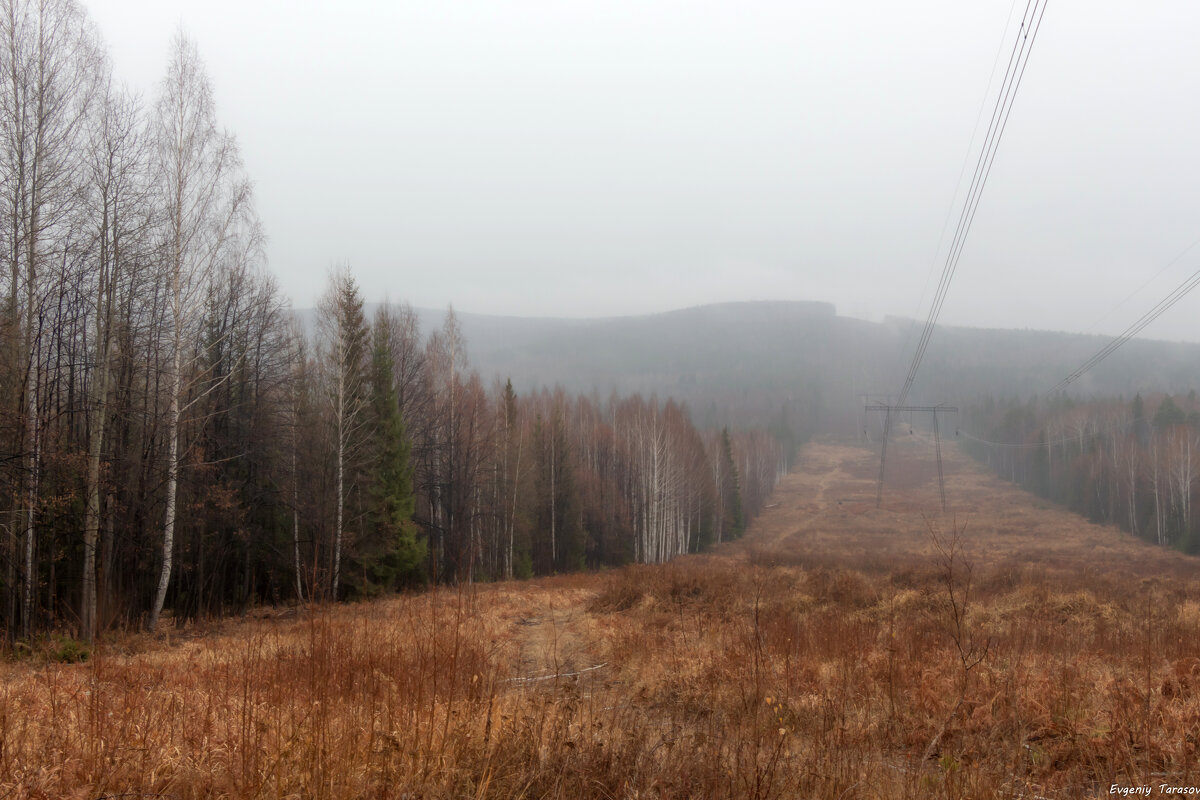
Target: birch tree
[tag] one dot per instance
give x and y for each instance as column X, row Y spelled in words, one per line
column 49, row 61
column 299, row 406
column 344, row 346
column 1131, row 465
column 116, row 173
column 1180, row 452
column 203, row 196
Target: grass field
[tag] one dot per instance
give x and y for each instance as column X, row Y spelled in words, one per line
column 1004, row 648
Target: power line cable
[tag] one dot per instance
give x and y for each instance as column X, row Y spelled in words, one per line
column 1031, row 23
column 962, row 171
column 1000, row 116
column 1177, row 294
column 1171, row 299
column 1178, row 257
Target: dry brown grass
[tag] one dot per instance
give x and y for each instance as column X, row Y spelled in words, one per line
column 820, row 657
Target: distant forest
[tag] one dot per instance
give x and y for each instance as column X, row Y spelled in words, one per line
column 172, row 439
column 1133, row 463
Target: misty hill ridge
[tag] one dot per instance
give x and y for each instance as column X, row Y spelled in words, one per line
column 772, row 339
column 730, row 361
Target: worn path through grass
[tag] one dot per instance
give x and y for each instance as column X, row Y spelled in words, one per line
column 826, row 513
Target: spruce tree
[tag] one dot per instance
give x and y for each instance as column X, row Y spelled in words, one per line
column 388, row 556
column 735, row 517
column 1168, row 415
column 394, row 498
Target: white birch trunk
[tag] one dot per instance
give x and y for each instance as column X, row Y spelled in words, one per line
column 168, row 540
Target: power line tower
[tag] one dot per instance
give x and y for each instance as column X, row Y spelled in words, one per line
column 888, row 410
column 870, row 398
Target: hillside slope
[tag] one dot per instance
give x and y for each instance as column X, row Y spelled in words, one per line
column 738, row 363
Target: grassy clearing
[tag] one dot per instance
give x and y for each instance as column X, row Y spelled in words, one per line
column 836, row 652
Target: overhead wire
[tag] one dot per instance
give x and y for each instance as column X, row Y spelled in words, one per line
column 1177, row 294
column 1018, row 60
column 1027, row 34
column 1178, row 257
column 962, row 171
column 1031, row 22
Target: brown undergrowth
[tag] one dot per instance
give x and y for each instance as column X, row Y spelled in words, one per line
column 839, row 651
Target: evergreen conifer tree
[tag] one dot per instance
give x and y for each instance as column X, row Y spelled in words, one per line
column 1168, row 415
column 389, row 556
column 735, row 517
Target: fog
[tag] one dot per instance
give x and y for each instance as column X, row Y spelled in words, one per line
column 599, row 158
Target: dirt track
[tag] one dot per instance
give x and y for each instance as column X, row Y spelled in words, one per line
column 824, row 512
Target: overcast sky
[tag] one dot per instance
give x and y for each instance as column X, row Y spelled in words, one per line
column 602, row 157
